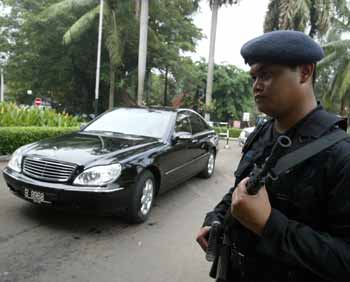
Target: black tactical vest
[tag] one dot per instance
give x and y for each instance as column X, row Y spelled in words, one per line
column 300, row 194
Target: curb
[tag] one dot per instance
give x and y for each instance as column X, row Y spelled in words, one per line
column 230, row 139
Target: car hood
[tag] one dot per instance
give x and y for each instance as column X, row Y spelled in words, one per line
column 83, row 149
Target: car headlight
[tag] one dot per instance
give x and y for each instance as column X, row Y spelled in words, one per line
column 99, row 175
column 15, row 162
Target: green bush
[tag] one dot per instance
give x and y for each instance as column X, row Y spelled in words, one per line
column 12, row 138
column 233, row 132
column 12, row 115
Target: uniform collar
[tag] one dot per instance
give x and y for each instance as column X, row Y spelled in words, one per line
column 314, row 124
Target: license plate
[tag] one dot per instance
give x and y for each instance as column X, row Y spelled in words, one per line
column 35, row 196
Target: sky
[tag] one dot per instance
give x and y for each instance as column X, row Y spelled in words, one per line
column 236, row 25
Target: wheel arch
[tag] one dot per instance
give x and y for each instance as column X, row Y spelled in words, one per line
column 214, row 149
column 156, row 173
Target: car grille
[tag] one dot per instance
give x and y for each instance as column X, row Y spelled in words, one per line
column 48, row 170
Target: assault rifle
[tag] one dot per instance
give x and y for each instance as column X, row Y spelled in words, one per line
column 218, row 250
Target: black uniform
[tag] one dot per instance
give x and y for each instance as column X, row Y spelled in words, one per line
column 307, row 236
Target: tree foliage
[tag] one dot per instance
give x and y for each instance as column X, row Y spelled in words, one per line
column 335, row 67
column 301, row 15
column 51, row 48
column 232, row 92
column 36, row 59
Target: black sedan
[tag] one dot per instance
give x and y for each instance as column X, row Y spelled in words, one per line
column 119, row 161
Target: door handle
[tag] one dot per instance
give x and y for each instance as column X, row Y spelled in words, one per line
column 194, row 140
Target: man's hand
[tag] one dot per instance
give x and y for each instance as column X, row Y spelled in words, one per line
column 202, row 237
column 252, row 211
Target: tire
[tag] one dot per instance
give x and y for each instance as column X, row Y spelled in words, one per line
column 208, row 171
column 142, row 198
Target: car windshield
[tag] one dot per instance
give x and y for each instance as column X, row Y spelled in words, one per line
column 133, row 122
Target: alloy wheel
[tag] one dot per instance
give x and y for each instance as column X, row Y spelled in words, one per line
column 211, row 163
column 147, row 196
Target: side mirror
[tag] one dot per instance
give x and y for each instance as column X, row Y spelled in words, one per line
column 181, row 136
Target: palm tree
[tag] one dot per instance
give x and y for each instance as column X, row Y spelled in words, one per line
column 142, row 50
column 339, row 57
column 215, row 5
column 318, row 16
column 299, row 15
column 338, row 60
column 85, row 22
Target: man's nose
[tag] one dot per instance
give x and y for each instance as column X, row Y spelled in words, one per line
column 257, row 85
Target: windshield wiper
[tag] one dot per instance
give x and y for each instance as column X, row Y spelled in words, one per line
column 132, row 136
column 99, row 132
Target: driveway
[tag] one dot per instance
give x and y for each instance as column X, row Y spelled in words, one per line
column 40, row 245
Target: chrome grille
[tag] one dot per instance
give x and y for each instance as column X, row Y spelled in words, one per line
column 48, row 170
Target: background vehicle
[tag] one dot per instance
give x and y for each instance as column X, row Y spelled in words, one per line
column 244, row 135
column 119, row 161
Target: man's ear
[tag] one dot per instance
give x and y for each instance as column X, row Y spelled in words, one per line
column 306, row 72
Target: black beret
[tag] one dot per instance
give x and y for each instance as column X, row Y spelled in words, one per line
column 285, row 47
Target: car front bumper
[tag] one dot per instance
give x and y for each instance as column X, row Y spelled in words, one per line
column 96, row 199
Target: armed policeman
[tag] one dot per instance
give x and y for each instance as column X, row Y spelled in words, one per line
column 296, row 226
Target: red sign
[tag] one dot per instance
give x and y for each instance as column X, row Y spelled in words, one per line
column 37, row 101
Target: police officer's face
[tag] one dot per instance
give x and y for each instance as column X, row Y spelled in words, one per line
column 275, row 88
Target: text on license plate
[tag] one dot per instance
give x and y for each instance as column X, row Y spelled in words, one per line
column 36, row 196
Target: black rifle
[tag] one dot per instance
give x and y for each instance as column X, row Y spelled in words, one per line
column 218, row 251
column 215, row 234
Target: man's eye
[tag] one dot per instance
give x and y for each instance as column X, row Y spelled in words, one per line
column 253, row 78
column 265, row 76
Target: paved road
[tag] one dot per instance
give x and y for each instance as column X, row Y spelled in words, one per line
column 40, row 245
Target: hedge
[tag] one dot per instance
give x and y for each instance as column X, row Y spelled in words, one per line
column 13, row 115
column 233, row 132
column 12, row 138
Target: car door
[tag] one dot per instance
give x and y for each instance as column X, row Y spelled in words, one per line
column 178, row 156
column 199, row 145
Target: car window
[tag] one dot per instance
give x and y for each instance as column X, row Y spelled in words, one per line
column 197, row 124
column 182, row 123
column 133, row 121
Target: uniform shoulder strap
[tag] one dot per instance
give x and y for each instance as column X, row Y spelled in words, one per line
column 319, row 123
column 294, row 158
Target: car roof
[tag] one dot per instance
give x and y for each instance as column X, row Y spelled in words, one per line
column 158, row 108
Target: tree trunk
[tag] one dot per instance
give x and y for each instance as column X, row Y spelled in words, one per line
column 111, row 86
column 142, row 51
column 214, row 20
column 148, row 84
column 342, row 106
column 137, row 8
column 313, row 19
column 2, row 98
column 166, row 86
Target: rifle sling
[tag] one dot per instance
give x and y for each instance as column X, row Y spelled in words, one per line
column 309, row 150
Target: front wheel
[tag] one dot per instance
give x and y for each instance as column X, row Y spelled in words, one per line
column 142, row 198
column 209, row 168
